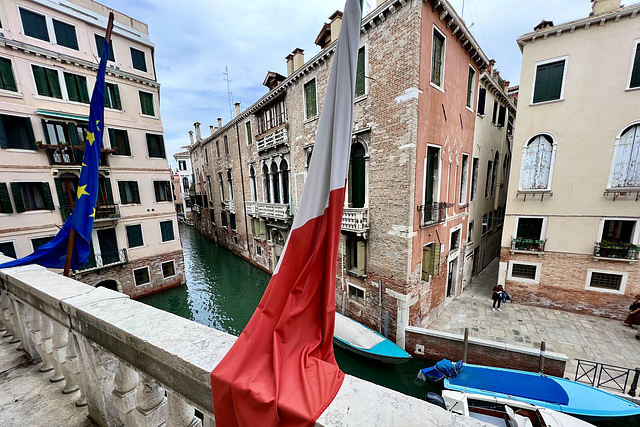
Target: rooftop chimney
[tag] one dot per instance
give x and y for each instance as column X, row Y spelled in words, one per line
column 237, row 104
column 198, row 135
column 295, row 60
column 336, row 23
column 219, row 122
column 211, row 129
column 604, row 6
column 191, row 136
column 380, row 2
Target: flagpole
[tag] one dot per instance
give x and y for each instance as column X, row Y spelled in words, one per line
column 72, row 233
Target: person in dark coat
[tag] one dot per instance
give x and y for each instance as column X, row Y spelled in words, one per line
column 497, row 296
column 634, row 316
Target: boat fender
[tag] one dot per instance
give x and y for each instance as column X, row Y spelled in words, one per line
column 435, row 399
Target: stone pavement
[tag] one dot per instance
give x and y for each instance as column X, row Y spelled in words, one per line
column 576, row 335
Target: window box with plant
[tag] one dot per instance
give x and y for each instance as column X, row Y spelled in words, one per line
column 616, row 250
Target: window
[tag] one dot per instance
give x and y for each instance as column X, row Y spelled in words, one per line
column 247, row 126
column 226, row 145
column 634, row 80
column 430, row 260
column 464, row 174
column 474, row 178
column 494, row 174
column 501, row 115
column 155, row 146
column 432, row 179
column 5, row 201
column 232, row 221
column 494, row 116
column 141, row 276
column 146, row 103
column 538, row 156
column 16, row 132
column 529, row 228
column 356, row 178
column 162, row 191
column 221, row 186
column 437, row 58
column 470, row 231
column 185, row 184
column 311, row 107
column 266, row 187
column 524, row 271
column 471, row 86
column 129, row 193
column 65, row 34
column 485, row 224
column 454, row 244
column 76, row 88
column 40, row 241
column 356, row 294
column 168, row 269
column 8, row 249
column 218, row 149
column 138, row 60
column 206, row 155
column 618, row 231
column 32, row 196
column 271, row 116
column 626, row 159
column 134, row 235
column 482, row 98
column 166, row 229
column 112, row 97
column 47, row 82
column 120, row 142
column 100, row 46
column 487, row 184
column 34, row 25
column 360, row 73
column 7, row 81
column 549, row 81
column 606, row 281
column 230, row 184
column 252, row 184
column 182, row 165
column 356, row 255
column 223, row 219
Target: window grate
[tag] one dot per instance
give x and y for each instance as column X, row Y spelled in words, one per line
column 524, row 271
column 605, row 281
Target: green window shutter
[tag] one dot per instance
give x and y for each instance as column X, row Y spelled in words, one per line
column 127, row 147
column 138, row 60
column 116, row 94
column 46, row 195
column 72, row 87
column 65, row 34
column 635, row 73
column 134, row 235
column 136, row 193
column 360, row 78
column 34, row 25
column 62, row 197
column 17, row 197
column 41, row 81
column 82, row 89
column 107, row 186
column 54, row 83
column 361, row 249
column 5, row 201
column 310, row 99
column 123, row 193
column 482, row 97
column 100, row 45
column 146, row 103
column 113, row 141
column 166, row 229
column 4, row 143
column 7, row 81
column 73, row 134
column 263, row 230
column 46, row 133
column 30, row 135
column 548, row 85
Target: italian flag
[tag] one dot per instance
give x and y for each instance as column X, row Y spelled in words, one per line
column 282, row 370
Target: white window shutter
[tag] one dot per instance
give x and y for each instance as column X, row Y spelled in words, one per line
column 626, row 168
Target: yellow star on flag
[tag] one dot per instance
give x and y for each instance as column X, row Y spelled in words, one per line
column 90, row 138
column 83, row 164
column 97, row 123
column 82, row 191
column 94, row 213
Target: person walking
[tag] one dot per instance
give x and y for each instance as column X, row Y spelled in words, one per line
column 634, row 315
column 497, row 296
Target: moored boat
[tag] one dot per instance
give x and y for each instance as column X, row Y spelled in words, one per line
column 356, row 337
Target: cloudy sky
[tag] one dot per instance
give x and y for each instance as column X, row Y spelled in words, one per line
column 196, row 39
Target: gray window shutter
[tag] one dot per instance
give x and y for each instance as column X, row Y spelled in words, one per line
column 46, row 195
column 17, row 197
column 626, row 168
column 5, row 201
column 635, row 73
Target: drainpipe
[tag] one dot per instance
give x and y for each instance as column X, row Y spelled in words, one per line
column 244, row 201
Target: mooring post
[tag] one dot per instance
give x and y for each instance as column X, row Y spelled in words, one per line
column 465, row 345
column 344, row 302
column 543, row 346
column 386, row 323
column 634, row 383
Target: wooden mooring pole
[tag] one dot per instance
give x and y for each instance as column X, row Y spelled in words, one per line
column 465, row 345
column 543, row 346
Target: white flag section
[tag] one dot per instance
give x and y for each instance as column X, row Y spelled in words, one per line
column 282, row 371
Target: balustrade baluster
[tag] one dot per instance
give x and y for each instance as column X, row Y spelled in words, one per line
column 4, row 317
column 47, row 345
column 209, row 421
column 151, row 405
column 180, row 413
column 125, row 390
column 13, row 321
column 59, row 352
column 73, row 366
column 36, row 335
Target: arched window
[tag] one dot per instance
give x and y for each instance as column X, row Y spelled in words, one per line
column 626, row 159
column 275, row 179
column 265, row 184
column 309, row 154
column 494, row 173
column 185, row 184
column 252, row 183
column 230, row 184
column 537, row 163
column 284, row 175
column 357, row 176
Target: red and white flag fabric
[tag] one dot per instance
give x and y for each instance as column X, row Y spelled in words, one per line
column 282, row 370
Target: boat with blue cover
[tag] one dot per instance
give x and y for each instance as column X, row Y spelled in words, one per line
column 555, row 393
column 356, row 337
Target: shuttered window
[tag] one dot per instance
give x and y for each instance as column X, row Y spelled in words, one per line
column 162, row 191
column 360, row 73
column 635, row 72
column 166, row 229
column 5, row 201
column 430, row 260
column 470, row 86
column 536, row 163
column 16, row 132
column 34, row 25
column 548, row 84
column 47, row 82
column 129, row 193
column 437, row 58
column 39, row 241
column 65, row 34
column 119, row 140
column 223, row 218
column 100, row 45
column 626, row 167
column 32, row 196
column 8, row 249
column 502, row 115
column 232, row 221
column 482, row 98
column 249, row 133
column 134, row 235
column 146, row 103
column 155, row 146
column 76, row 88
column 138, row 60
column 7, row 81
column 311, row 107
column 112, row 96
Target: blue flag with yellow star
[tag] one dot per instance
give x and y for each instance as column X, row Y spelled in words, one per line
column 54, row 253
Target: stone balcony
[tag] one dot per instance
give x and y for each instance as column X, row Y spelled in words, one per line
column 355, row 220
column 273, row 138
column 132, row 364
column 268, row 210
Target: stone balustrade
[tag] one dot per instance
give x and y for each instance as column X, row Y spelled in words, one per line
column 355, row 219
column 140, row 366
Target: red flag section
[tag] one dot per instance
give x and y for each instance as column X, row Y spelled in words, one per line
column 282, row 371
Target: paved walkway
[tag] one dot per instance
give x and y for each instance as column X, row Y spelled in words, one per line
column 578, row 336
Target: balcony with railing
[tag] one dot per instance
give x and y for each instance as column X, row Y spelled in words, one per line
column 355, row 220
column 433, row 213
column 528, row 245
column 279, row 211
column 616, row 251
column 273, row 138
column 103, row 213
column 229, row 205
column 62, row 155
column 105, row 259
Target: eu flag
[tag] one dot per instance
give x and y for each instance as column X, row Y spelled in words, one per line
column 54, row 253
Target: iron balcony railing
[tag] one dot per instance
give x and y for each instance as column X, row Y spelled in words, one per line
column 103, row 213
column 601, row 375
column 60, row 155
column 433, row 213
column 617, row 250
column 269, row 210
column 273, row 138
column 355, row 219
column 531, row 245
column 105, row 259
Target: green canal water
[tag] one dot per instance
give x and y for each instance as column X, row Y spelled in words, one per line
column 223, row 290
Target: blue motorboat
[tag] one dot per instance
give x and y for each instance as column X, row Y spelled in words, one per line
column 356, row 337
column 555, row 393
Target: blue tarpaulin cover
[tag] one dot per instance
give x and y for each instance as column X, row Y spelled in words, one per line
column 444, row 368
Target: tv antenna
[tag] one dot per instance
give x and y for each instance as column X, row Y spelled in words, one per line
column 229, row 94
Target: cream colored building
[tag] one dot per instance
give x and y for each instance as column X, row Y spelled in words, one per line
column 48, row 61
column 572, row 231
